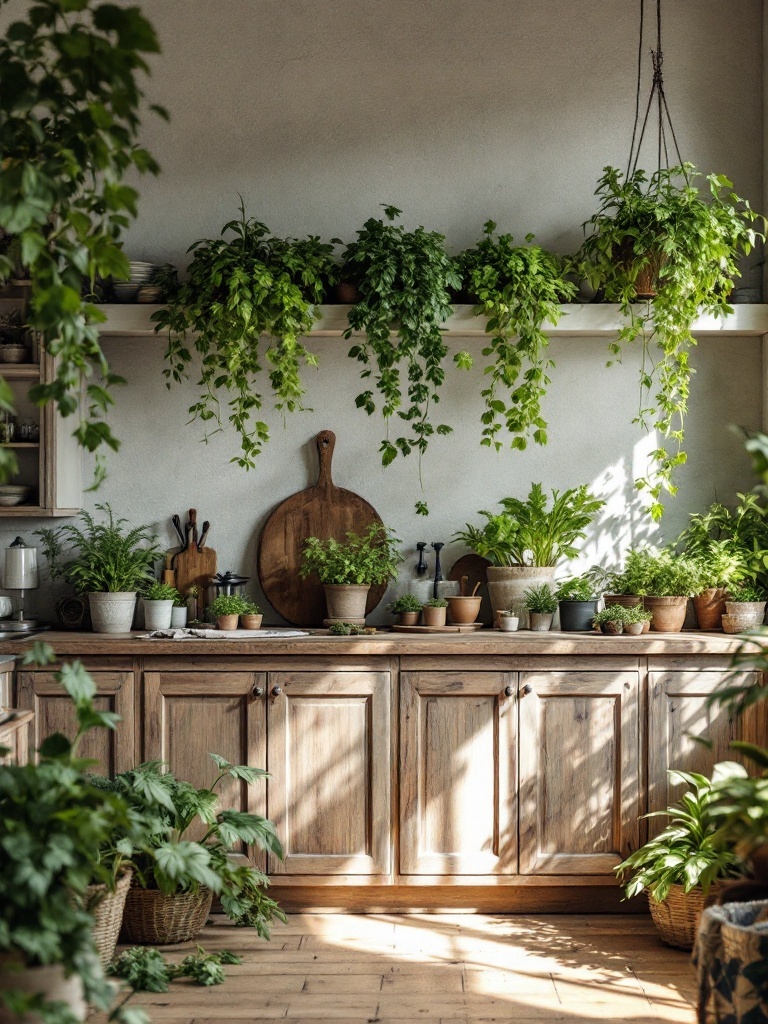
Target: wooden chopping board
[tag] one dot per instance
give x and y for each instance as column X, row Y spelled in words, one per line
column 323, row 511
column 195, row 565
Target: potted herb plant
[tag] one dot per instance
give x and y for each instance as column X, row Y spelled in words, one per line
column 683, row 866
column 541, row 603
column 159, row 599
column 526, row 540
column 252, row 617
column 671, row 580
column 636, row 620
column 179, row 612
column 176, row 876
column 434, row 611
column 226, row 609
column 744, row 608
column 664, row 240
column 238, row 291
column 578, row 604
column 348, row 568
column 625, row 586
column 518, row 288
column 407, row 607
column 610, row 620
column 109, row 563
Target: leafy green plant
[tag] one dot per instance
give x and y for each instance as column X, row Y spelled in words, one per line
column 69, row 123
column 746, row 593
column 103, row 556
column 518, row 288
column 173, row 863
column 541, row 599
column 405, row 603
column 228, row 604
column 637, row 613
column 251, row 608
column 162, row 592
column 371, row 557
column 730, row 543
column 147, row 970
column 691, row 243
column 528, row 533
column 403, row 278
column 740, row 802
column 613, row 613
column 670, row 575
column 435, row 602
column 237, row 290
column 53, row 822
column 578, row 588
column 689, row 851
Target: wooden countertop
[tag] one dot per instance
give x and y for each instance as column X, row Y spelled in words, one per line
column 486, row 642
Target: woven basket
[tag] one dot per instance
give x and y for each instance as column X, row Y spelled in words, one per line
column 107, row 910
column 677, row 918
column 155, row 919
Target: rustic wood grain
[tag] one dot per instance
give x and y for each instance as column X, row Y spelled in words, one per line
column 323, row 510
column 195, row 567
column 14, row 735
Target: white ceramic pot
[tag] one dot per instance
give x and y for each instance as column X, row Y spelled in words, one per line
column 112, row 613
column 509, row 623
column 157, row 614
column 507, row 585
column 178, row 617
column 48, row 980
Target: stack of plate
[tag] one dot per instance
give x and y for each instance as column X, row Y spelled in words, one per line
column 141, row 274
column 13, row 494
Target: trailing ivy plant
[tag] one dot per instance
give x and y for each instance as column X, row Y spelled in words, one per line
column 69, row 122
column 684, row 244
column 237, row 290
column 403, row 278
column 518, row 288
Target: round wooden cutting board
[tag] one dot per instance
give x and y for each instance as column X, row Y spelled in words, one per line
column 323, row 511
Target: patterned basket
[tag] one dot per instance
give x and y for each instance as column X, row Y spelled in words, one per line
column 730, row 957
column 107, row 909
column 677, row 918
column 155, row 919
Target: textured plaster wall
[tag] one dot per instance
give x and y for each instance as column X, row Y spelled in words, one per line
column 456, row 111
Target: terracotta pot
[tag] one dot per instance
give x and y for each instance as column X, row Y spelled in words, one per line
column 540, row 622
column 434, row 616
column 750, row 614
column 507, row 585
column 668, row 613
column 625, row 600
column 251, row 621
column 48, row 980
column 710, row 605
column 612, row 628
column 408, row 618
column 227, row 622
column 346, row 602
column 463, row 610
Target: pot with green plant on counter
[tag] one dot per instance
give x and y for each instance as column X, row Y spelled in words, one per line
column 252, row 617
column 577, row 600
column 226, row 609
column 744, row 608
column 159, row 599
column 407, row 608
column 434, row 611
column 541, row 603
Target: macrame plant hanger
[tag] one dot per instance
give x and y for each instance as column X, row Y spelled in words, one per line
column 657, row 93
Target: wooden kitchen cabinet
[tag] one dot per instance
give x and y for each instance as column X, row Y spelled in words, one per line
column 458, row 807
column 329, row 758
column 189, row 715
column 579, row 736
column 113, row 750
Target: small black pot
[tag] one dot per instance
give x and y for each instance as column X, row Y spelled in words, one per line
column 576, row 616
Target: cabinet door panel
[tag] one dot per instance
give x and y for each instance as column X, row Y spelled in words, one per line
column 113, row 750
column 457, row 774
column 679, row 715
column 579, row 771
column 190, row 715
column 329, row 763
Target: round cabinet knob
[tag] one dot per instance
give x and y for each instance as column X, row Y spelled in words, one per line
column 509, row 691
column 527, row 689
column 276, row 691
column 258, row 691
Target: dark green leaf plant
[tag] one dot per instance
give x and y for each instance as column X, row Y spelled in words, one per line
column 518, row 289
column 690, row 239
column 238, row 291
column 368, row 558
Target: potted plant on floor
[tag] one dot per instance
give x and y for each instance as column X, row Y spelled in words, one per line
column 108, row 562
column 177, row 876
column 664, row 240
column 159, row 599
column 348, row 568
column 526, row 540
column 407, row 607
column 541, row 603
column 744, row 608
column 434, row 611
column 252, row 617
column 226, row 609
column 671, row 581
column 683, row 866
column 577, row 599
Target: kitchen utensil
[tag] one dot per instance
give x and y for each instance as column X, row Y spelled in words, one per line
column 474, row 589
column 177, row 525
column 227, row 582
column 323, row 510
column 193, row 523
column 474, row 568
column 204, row 535
column 194, row 566
column 437, row 548
column 421, row 565
column 464, row 585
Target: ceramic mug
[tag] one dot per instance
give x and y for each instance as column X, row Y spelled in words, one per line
column 508, row 623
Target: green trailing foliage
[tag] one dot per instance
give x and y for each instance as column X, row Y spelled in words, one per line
column 691, row 240
column 518, row 289
column 146, row 970
column 690, row 851
column 368, row 558
column 237, row 291
column 69, row 126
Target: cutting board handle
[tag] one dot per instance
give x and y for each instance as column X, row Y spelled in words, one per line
column 326, row 441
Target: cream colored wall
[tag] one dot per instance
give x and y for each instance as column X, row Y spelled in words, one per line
column 456, row 111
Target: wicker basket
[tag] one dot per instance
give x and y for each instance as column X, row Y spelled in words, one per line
column 153, row 918
column 107, row 909
column 677, row 918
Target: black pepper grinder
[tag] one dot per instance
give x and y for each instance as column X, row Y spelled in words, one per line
column 437, row 547
column 421, row 565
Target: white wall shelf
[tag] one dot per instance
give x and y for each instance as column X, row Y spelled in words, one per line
column 588, row 321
